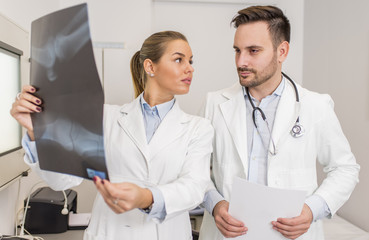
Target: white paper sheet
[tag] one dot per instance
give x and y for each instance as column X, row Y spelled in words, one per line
column 257, row 206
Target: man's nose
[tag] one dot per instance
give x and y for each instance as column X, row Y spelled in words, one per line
column 242, row 60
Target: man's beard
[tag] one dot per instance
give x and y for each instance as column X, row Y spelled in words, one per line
column 257, row 78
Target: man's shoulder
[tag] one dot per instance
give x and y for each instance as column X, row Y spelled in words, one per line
column 314, row 98
column 316, row 103
column 225, row 93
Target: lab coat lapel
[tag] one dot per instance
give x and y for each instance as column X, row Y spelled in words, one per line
column 132, row 123
column 169, row 130
column 286, row 115
column 234, row 113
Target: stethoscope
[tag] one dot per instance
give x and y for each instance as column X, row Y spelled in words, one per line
column 297, row 129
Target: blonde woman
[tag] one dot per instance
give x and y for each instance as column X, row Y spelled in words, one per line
column 157, row 155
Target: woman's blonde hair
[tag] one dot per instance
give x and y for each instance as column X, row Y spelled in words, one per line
column 153, row 48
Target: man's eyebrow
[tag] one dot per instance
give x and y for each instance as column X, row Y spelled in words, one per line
column 248, row 47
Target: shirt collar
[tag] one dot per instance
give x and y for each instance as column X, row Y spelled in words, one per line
column 277, row 92
column 162, row 109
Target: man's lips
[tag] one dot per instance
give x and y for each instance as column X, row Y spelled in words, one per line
column 244, row 73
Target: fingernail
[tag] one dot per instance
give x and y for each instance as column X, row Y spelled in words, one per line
column 38, row 101
column 38, row 109
column 32, row 89
column 94, row 179
column 102, row 181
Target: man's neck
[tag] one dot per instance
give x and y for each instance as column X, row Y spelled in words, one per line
column 266, row 88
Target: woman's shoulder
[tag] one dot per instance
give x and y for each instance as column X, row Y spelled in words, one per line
column 113, row 111
column 199, row 122
column 113, row 108
column 110, row 107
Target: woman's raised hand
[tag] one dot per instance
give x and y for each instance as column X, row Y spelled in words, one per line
column 25, row 104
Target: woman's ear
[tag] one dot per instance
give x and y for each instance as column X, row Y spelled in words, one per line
column 282, row 51
column 149, row 67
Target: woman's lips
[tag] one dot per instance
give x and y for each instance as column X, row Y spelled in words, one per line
column 187, row 80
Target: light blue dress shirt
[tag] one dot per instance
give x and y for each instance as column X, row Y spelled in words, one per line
column 153, row 116
column 258, row 140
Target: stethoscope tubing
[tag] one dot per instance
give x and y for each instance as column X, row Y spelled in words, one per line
column 297, row 130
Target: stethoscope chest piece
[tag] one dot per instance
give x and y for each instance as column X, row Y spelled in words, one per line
column 297, row 130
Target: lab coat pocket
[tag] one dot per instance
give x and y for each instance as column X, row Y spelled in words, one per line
column 298, row 179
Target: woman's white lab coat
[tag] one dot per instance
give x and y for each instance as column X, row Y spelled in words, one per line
column 294, row 165
column 176, row 161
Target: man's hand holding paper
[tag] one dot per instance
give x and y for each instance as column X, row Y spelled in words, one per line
column 294, row 227
column 258, row 206
column 227, row 225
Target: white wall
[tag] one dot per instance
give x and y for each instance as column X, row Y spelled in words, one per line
column 24, row 12
column 205, row 24
column 207, row 27
column 336, row 61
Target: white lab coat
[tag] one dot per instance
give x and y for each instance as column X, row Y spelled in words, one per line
column 176, row 161
column 294, row 165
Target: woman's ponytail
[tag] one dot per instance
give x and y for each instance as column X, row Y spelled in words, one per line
column 137, row 74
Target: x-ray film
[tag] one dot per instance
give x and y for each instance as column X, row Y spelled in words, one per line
column 69, row 130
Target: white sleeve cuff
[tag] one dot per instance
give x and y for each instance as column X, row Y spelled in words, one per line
column 158, row 210
column 318, row 207
column 211, row 199
column 30, row 150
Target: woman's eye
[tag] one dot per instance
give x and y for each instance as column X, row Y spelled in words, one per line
column 178, row 60
column 191, row 62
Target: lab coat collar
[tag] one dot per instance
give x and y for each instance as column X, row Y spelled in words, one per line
column 287, row 112
column 132, row 123
column 234, row 114
column 169, row 129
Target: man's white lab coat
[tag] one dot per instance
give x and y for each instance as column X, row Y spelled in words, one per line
column 294, row 165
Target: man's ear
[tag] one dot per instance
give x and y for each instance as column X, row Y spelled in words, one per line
column 282, row 51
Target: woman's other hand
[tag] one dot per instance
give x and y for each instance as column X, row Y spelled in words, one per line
column 25, row 104
column 123, row 197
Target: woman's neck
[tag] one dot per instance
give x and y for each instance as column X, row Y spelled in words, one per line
column 154, row 98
